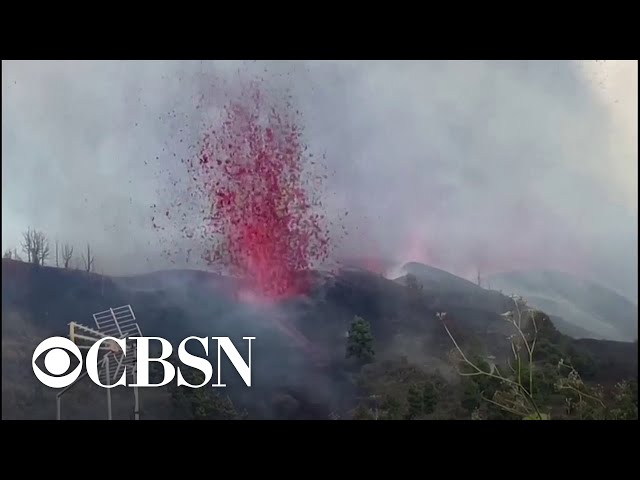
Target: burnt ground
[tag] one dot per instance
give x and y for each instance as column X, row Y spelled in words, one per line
column 299, row 368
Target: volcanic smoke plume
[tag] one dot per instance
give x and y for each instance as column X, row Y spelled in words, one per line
column 264, row 223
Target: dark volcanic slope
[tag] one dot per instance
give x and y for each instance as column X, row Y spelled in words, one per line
column 300, row 345
column 38, row 302
column 434, row 278
column 597, row 311
column 615, row 360
column 453, row 290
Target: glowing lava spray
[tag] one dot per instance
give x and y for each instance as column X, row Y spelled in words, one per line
column 265, row 224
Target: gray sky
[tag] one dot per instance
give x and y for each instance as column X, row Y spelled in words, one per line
column 462, row 165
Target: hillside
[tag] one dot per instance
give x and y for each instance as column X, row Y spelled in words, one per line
column 300, row 369
column 594, row 310
column 451, row 289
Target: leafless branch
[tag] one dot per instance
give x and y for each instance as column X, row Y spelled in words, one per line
column 67, row 255
column 36, row 246
column 89, row 260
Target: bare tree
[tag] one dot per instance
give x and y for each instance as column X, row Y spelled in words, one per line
column 27, row 244
column 89, row 260
column 521, row 402
column 16, row 256
column 57, row 262
column 42, row 245
column 8, row 254
column 36, row 246
column 519, row 398
column 67, row 254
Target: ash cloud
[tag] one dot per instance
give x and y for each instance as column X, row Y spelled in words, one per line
column 462, row 165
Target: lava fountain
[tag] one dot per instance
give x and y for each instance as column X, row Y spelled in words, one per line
column 264, row 224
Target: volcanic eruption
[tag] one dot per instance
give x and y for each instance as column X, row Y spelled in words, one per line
column 265, row 222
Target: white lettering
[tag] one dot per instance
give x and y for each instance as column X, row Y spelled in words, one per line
column 143, row 360
column 195, row 362
column 243, row 368
column 92, row 362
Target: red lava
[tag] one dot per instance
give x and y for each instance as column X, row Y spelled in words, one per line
column 264, row 224
column 269, row 231
column 263, row 218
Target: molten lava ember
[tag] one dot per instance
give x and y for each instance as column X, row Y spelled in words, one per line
column 264, row 224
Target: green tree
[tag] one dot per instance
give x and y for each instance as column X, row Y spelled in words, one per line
column 421, row 400
column 360, row 341
column 363, row 413
column 202, row 403
column 415, row 401
column 429, row 398
column 391, row 409
column 625, row 405
column 471, row 396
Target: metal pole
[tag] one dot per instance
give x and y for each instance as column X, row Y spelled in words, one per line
column 136, row 412
column 136, row 408
column 136, row 405
column 109, row 417
column 62, row 392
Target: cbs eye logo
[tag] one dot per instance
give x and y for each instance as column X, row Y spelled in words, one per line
column 57, row 361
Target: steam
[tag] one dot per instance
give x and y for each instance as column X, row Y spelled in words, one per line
column 466, row 166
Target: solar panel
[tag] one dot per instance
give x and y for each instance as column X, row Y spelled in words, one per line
column 120, row 323
column 117, row 322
